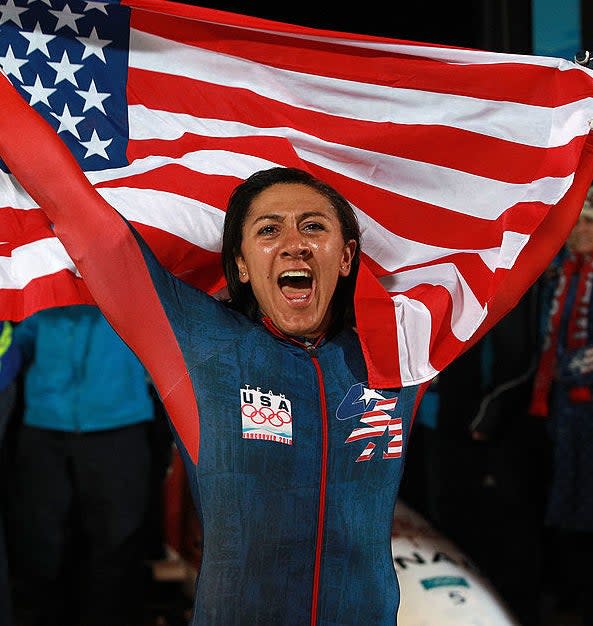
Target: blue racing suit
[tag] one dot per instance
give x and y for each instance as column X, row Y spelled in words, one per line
column 298, row 469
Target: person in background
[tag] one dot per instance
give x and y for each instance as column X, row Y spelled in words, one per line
column 10, row 363
column 563, row 398
column 81, row 470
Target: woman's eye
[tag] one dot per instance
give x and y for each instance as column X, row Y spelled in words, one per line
column 313, row 226
column 270, row 229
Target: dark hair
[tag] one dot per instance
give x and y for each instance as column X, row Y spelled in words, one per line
column 241, row 297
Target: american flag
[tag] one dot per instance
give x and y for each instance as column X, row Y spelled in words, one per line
column 452, row 158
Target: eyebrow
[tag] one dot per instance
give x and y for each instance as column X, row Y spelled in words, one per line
column 276, row 217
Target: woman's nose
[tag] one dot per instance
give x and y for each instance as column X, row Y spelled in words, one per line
column 296, row 245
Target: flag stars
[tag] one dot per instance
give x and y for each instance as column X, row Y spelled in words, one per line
column 11, row 65
column 68, row 122
column 65, row 18
column 93, row 45
column 99, row 6
column 38, row 92
column 93, row 98
column 38, row 40
column 65, row 70
column 96, row 146
column 11, row 13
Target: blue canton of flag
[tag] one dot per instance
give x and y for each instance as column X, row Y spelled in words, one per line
column 70, row 63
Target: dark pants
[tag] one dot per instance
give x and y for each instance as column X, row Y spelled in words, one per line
column 80, row 506
column 7, row 401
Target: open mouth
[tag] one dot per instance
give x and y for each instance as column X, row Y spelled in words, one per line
column 296, row 285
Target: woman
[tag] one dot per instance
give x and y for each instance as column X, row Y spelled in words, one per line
column 278, row 471
column 280, row 481
column 294, row 462
column 283, row 496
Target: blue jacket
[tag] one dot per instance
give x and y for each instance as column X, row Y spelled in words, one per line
column 80, row 376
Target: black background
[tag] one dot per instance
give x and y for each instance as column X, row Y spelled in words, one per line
column 497, row 25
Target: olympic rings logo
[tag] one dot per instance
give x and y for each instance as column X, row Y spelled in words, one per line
column 266, row 414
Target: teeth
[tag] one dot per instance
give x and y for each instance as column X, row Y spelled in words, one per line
column 296, row 274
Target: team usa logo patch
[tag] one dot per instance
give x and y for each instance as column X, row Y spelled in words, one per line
column 375, row 412
column 266, row 416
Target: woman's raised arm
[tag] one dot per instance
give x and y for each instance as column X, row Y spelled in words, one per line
column 102, row 246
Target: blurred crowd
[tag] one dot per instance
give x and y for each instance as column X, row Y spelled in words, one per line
column 500, row 459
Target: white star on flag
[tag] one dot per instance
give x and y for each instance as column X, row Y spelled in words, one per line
column 65, row 70
column 68, row 121
column 38, row 40
column 11, row 65
column 96, row 146
column 10, row 12
column 100, row 6
column 66, row 18
column 38, row 92
column 93, row 98
column 93, row 45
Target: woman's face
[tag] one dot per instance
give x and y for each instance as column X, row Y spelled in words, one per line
column 292, row 253
column 580, row 240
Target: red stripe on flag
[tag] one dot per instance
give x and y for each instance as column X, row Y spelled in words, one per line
column 194, row 265
column 61, row 289
column 18, row 227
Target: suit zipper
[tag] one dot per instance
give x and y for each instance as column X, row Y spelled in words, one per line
column 311, row 348
column 322, row 487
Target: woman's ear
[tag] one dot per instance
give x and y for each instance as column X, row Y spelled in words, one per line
column 242, row 269
column 347, row 256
